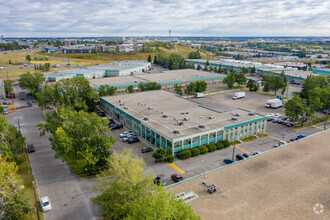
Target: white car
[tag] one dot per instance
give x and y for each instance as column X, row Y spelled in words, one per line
column 45, row 204
column 277, row 115
column 125, row 133
column 270, row 115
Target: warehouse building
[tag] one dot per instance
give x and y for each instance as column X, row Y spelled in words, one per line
column 121, row 68
column 165, row 120
column 166, row 79
column 2, row 89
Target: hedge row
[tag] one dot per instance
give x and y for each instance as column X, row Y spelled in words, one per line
column 193, row 152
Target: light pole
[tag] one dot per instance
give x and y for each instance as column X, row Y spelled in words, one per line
column 236, row 139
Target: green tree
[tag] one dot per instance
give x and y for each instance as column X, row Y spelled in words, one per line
column 191, row 88
column 102, row 91
column 240, row 78
column 110, row 90
column 272, row 82
column 174, row 61
column 155, row 60
column 199, row 67
column 32, row 82
column 28, row 58
column 298, row 109
column 252, row 86
column 194, row 55
column 201, row 86
column 142, row 86
column 80, row 134
column 229, row 80
column 207, row 63
column 131, row 89
column 178, row 89
column 1, row 109
column 149, row 59
column 312, row 82
column 254, row 70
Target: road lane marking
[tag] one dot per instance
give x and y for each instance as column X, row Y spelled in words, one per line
column 243, row 150
column 317, row 127
column 274, row 138
column 176, row 168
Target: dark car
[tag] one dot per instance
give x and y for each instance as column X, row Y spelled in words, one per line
column 239, row 157
column 133, row 139
column 102, row 114
column 111, row 121
column 228, row 161
column 246, row 155
column 176, row 178
column 115, row 126
column 300, row 137
column 290, row 124
column 159, row 181
column 31, row 148
column 255, row 153
column 146, row 149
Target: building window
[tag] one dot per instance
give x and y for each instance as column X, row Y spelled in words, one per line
column 157, row 136
column 204, row 137
column 169, row 144
column 195, row 139
column 187, row 142
column 220, row 133
column 178, row 144
column 212, row 135
column 163, row 140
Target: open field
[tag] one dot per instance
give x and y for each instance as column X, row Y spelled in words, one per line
column 16, row 73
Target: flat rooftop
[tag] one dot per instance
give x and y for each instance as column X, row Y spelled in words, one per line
column 285, row 183
column 176, row 109
column 74, row 71
column 166, row 76
column 295, row 73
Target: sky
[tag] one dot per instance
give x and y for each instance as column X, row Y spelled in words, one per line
column 89, row 18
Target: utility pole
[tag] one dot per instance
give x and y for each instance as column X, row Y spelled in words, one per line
column 236, row 139
column 326, row 119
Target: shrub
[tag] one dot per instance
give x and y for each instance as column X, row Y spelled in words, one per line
column 211, row 147
column 194, row 152
column 203, row 149
column 91, row 169
column 225, row 143
column 160, row 159
column 161, row 152
column 219, row 146
column 184, row 154
column 170, row 158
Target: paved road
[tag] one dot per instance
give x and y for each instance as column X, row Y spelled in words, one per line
column 69, row 194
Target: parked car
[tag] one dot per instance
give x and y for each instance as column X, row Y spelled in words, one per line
column 285, row 122
column 300, row 137
column 275, row 120
column 115, row 126
column 125, row 133
column 239, row 157
column 246, row 155
column 290, row 124
column 111, row 121
column 176, row 178
column 228, row 161
column 31, row 148
column 159, row 181
column 5, row 112
column 100, row 113
column 133, row 139
column 280, row 144
column 45, row 204
column 255, row 153
column 147, row 149
column 127, row 137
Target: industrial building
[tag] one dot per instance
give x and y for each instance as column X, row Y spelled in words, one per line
column 2, row 89
column 165, row 120
column 121, row 68
column 166, row 79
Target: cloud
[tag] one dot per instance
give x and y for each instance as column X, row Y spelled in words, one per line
column 156, row 17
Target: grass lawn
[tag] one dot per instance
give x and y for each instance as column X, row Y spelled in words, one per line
column 310, row 123
column 78, row 168
column 25, row 173
column 252, row 138
column 265, row 93
column 262, row 135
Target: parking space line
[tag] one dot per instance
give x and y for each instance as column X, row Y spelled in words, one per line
column 194, row 174
column 199, row 171
column 274, row 138
column 212, row 167
column 185, row 175
column 176, row 168
column 317, row 127
column 243, row 150
column 205, row 169
column 170, row 180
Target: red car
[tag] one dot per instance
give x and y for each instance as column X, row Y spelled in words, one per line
column 176, row 178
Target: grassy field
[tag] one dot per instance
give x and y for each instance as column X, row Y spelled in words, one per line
column 16, row 73
column 252, row 138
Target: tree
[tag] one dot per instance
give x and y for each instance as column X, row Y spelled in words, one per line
column 199, row 67
column 254, row 70
column 244, row 70
column 14, row 202
column 178, row 89
column 141, row 86
column 32, row 82
column 201, row 86
column 194, row 55
column 240, row 78
column 207, row 63
column 272, row 82
column 312, row 82
column 174, row 61
column 298, row 109
column 253, row 86
column 131, row 89
column 1, row 109
column 149, row 59
column 75, row 93
column 155, row 60
column 229, row 80
column 28, row 58
column 102, row 91
column 191, row 88
column 110, row 90
column 80, row 134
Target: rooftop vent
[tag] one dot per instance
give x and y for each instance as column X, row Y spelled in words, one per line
column 175, row 131
column 180, row 123
column 145, row 118
column 150, row 108
column 125, row 107
column 165, row 115
column 182, row 113
column 237, row 114
column 210, row 117
column 251, row 113
column 187, row 113
column 201, row 126
column 234, row 118
column 187, row 197
column 186, row 119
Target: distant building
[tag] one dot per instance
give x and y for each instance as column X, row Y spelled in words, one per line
column 130, row 47
column 77, row 49
column 2, row 89
column 108, row 48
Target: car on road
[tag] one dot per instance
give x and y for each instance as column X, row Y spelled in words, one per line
column 228, row 161
column 239, row 157
column 115, row 126
column 31, row 148
column 133, row 139
column 125, row 133
column 246, row 155
column 4, row 103
column 101, row 114
column 255, row 153
column 45, row 204
column 5, row 112
column 176, row 178
column 34, row 101
column 159, row 181
column 147, row 149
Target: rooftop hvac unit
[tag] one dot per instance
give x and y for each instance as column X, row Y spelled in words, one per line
column 165, row 116
column 237, row 114
column 182, row 113
column 210, row 117
column 201, row 126
column 186, row 119
column 121, row 103
column 234, row 118
column 175, row 131
column 145, row 118
column 125, row 107
column 180, row 123
column 150, row 108
column 187, row 113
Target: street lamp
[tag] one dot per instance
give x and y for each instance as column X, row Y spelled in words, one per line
column 236, row 139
